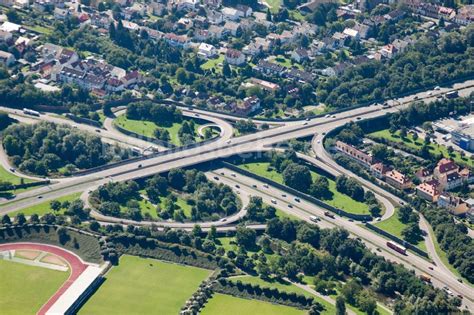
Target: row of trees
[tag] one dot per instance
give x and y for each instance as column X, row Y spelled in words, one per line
column 46, row 148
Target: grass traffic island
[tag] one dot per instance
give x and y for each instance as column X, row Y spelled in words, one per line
column 286, row 287
column 145, row 286
column 45, row 207
column 226, row 304
column 395, row 227
column 147, row 128
column 24, row 289
column 338, row 199
column 146, row 207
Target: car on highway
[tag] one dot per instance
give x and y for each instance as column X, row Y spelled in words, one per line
column 430, row 268
column 228, row 141
column 40, row 197
column 233, row 175
column 307, row 119
column 237, row 186
column 429, row 93
column 378, row 249
column 12, row 169
column 197, row 115
column 305, row 123
column 327, row 116
column 273, row 201
column 265, row 185
column 222, row 173
column 290, row 205
column 437, row 88
column 297, row 199
column 254, row 186
column 358, row 118
column 140, row 166
column 283, row 195
column 216, row 178
column 416, row 97
column 97, row 130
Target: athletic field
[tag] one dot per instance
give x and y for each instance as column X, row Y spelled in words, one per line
column 24, row 289
column 145, row 286
column 221, row 304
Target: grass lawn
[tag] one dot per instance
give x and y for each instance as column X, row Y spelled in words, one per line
column 287, row 287
column 147, row 128
column 44, row 207
column 221, row 304
column 145, row 286
column 40, row 29
column 147, row 207
column 338, row 200
column 9, row 177
column 225, row 242
column 213, row 63
column 418, row 144
column 394, row 226
column 274, row 5
column 285, row 62
column 24, row 289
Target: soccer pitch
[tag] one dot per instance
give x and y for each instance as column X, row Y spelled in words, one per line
column 24, row 289
column 145, row 286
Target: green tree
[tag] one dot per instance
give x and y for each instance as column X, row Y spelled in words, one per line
column 297, row 176
column 340, row 305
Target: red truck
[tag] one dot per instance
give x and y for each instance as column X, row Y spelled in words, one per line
column 397, row 248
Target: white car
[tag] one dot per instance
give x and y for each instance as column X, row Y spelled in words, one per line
column 274, row 201
column 437, row 88
column 265, row 185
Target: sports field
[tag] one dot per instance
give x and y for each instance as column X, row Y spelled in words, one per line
column 24, row 289
column 145, row 286
column 221, row 304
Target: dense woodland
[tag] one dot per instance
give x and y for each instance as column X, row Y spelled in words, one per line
column 208, row 200
column 46, row 148
column 428, row 63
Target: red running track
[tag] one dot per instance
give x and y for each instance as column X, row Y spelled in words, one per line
column 76, row 266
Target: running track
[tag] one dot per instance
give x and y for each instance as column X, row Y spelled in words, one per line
column 76, row 265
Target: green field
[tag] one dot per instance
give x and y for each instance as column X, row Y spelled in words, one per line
column 418, row 144
column 274, row 5
column 287, row 287
column 180, row 204
column 394, row 226
column 13, row 179
column 24, row 289
column 145, row 286
column 338, row 200
column 44, row 207
column 221, row 304
column 147, row 128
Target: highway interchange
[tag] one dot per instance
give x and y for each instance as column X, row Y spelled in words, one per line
column 225, row 146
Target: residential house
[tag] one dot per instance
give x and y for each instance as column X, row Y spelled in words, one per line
column 206, row 50
column 445, row 166
column 266, row 85
column 61, row 14
column 7, row 59
column 352, row 33
column 231, row 14
column 446, row 13
column 215, row 31
column 250, row 104
column 299, row 75
column 364, row 31
column 454, row 204
column 246, row 10
column 349, row 150
column 257, row 46
column 423, row 175
column 394, row 16
column 214, row 17
column 5, row 37
column 465, row 15
column 398, row 180
column 10, row 27
column 234, row 57
column 212, row 3
column 299, row 55
column 269, row 68
column 177, row 40
column 232, row 28
column 429, row 190
column 378, row 170
column 389, row 51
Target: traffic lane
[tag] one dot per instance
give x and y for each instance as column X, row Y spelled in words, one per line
column 304, row 209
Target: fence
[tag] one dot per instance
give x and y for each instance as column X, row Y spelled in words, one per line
column 27, row 185
column 398, row 240
column 83, row 120
column 359, row 217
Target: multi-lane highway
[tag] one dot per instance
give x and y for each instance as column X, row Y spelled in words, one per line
column 227, row 146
